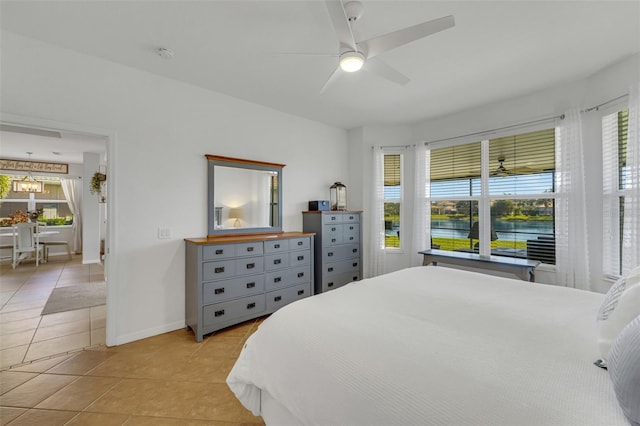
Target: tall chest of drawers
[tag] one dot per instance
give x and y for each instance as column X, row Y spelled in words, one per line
column 338, row 247
column 233, row 279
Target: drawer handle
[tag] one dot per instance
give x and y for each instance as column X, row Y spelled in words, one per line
column 219, row 269
column 277, row 261
column 333, row 218
column 277, row 298
column 251, row 285
column 251, row 265
column 218, row 290
column 351, row 217
column 300, row 243
column 355, row 278
column 219, row 313
column 300, row 257
column 219, row 251
column 276, row 245
column 330, row 285
column 355, row 250
column 350, row 238
column 330, row 269
column 249, row 248
column 333, row 229
column 300, row 292
column 351, row 227
column 355, row 264
column 251, row 305
column 277, row 279
column 333, row 240
column 330, row 254
column 300, row 274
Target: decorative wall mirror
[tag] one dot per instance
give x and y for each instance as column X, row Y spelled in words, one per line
column 245, row 196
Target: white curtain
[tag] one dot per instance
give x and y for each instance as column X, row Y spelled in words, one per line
column 72, row 189
column 631, row 228
column 376, row 263
column 421, row 210
column 572, row 263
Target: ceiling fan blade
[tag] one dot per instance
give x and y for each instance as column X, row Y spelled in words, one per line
column 340, row 23
column 377, row 45
column 330, row 80
column 380, row 68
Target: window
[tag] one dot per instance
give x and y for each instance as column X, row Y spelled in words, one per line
column 615, row 185
column 51, row 201
column 392, row 199
column 513, row 199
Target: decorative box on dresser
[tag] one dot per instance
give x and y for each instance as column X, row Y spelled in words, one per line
column 338, row 247
column 234, row 278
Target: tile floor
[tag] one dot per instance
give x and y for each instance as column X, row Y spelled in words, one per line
column 25, row 335
column 164, row 380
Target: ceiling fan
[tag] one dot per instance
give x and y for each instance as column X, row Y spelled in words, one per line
column 501, row 171
column 356, row 54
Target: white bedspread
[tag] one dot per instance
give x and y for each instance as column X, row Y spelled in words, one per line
column 432, row 346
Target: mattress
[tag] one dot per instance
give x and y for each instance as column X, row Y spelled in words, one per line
column 430, row 346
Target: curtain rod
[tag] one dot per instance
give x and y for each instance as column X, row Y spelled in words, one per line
column 485, row 132
column 596, row 107
column 392, row 146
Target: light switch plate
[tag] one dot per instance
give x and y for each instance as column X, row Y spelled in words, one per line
column 164, row 233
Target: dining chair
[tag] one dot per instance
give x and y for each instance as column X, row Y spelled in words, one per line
column 46, row 243
column 26, row 242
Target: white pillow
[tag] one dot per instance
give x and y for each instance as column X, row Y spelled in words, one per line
column 620, row 306
column 624, row 370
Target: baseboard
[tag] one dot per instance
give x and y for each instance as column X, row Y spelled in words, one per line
column 149, row 332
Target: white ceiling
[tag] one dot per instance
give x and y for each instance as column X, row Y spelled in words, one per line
column 497, row 50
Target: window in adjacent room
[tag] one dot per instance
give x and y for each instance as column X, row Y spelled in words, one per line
column 614, row 173
column 392, row 199
column 514, row 198
column 52, row 202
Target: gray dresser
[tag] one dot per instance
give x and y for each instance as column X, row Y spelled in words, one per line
column 231, row 279
column 338, row 247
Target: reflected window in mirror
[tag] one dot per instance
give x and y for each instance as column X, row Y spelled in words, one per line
column 245, row 196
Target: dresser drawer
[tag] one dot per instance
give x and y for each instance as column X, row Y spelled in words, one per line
column 350, row 218
column 218, row 251
column 219, row 291
column 276, row 261
column 299, row 258
column 332, row 234
column 249, row 249
column 300, row 243
column 351, row 233
column 335, row 281
column 331, row 254
column 227, row 311
column 287, row 277
column 276, row 246
column 332, row 218
column 337, row 268
column 279, row 298
column 228, row 268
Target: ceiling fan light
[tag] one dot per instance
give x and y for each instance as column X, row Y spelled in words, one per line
column 351, row 61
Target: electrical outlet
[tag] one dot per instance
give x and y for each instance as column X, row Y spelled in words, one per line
column 164, row 233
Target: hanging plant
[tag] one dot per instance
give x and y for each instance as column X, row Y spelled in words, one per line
column 96, row 182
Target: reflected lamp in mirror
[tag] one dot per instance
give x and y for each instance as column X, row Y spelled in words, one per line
column 338, row 196
column 253, row 188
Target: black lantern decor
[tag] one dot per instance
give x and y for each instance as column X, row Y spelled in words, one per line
column 338, row 196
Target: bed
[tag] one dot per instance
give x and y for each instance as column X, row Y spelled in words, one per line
column 430, row 346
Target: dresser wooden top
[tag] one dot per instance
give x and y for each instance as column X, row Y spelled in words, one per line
column 225, row 239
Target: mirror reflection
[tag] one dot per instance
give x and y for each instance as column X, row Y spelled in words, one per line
column 244, row 196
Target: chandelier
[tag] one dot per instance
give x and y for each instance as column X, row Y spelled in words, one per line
column 28, row 183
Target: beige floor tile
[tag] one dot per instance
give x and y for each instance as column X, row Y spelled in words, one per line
column 41, row 366
column 79, row 394
column 169, row 399
column 12, row 379
column 98, row 419
column 20, row 325
column 58, row 345
column 12, row 356
column 34, row 391
column 59, row 330
column 98, row 336
column 44, row 418
column 5, row 296
column 124, row 397
column 7, row 414
column 6, row 285
column 204, row 369
column 217, row 402
column 81, row 362
column 215, row 346
column 163, row 421
column 20, row 315
column 63, row 317
column 21, row 306
column 16, row 339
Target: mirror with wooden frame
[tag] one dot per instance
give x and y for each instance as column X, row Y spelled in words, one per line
column 245, row 196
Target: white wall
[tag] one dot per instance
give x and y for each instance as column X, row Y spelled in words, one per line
column 607, row 84
column 160, row 130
